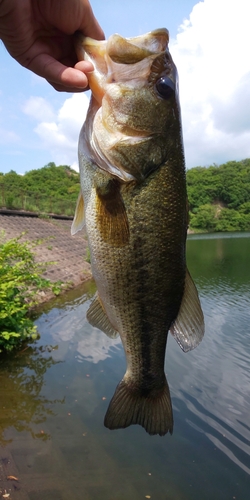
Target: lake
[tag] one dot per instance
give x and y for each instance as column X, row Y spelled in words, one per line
column 54, row 395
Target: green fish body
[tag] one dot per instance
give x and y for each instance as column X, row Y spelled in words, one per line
column 134, row 203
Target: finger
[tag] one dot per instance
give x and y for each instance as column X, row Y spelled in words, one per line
column 80, row 65
column 92, row 29
column 89, row 24
column 63, row 88
column 60, row 75
column 81, row 18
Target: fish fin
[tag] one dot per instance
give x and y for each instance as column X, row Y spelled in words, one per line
column 97, row 317
column 128, row 407
column 188, row 328
column 111, row 214
column 78, row 221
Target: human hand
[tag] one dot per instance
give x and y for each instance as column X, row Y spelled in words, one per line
column 39, row 34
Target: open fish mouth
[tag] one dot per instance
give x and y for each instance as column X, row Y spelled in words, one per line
column 113, row 59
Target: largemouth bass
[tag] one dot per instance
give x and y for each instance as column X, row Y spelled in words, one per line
column 134, row 203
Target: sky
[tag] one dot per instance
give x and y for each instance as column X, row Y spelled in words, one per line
column 209, row 42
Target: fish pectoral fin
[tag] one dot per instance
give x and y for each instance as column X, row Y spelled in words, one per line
column 111, row 214
column 78, row 221
column 188, row 328
column 97, row 317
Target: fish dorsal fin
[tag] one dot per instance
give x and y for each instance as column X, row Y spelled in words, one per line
column 188, row 328
column 97, row 317
column 78, row 221
column 111, row 214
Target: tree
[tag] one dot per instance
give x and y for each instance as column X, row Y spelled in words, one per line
column 204, row 218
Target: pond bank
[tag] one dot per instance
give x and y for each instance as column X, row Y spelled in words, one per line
column 68, row 253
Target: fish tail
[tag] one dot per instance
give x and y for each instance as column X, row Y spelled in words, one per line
column 153, row 412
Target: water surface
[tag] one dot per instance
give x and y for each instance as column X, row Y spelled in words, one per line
column 54, row 395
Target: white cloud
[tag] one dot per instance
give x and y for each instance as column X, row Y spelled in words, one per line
column 75, row 166
column 96, row 346
column 38, row 108
column 210, row 52
column 59, row 131
column 230, row 115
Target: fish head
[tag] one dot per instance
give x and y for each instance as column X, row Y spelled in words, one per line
column 134, row 116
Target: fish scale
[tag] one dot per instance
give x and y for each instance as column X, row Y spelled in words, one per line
column 134, row 203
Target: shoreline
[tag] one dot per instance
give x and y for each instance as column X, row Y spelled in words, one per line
column 68, row 253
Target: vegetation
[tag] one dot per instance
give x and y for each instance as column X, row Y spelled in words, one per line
column 51, row 189
column 219, row 200
column 20, row 282
column 219, row 196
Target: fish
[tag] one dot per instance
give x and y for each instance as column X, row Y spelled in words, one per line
column 133, row 203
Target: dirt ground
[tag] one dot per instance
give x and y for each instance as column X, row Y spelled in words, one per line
column 68, row 252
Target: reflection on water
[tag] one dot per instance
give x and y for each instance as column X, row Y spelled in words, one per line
column 21, row 380
column 62, row 394
column 222, row 406
column 90, row 344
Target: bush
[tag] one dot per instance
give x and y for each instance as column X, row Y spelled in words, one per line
column 204, row 218
column 232, row 220
column 20, row 282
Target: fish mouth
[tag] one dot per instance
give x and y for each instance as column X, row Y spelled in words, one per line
column 110, row 56
column 126, row 73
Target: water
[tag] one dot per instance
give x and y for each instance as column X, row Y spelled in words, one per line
column 54, row 395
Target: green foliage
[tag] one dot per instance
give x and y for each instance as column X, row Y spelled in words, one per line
column 232, row 220
column 88, row 257
column 204, row 218
column 228, row 183
column 51, row 189
column 245, row 208
column 219, row 197
column 20, row 282
column 215, row 194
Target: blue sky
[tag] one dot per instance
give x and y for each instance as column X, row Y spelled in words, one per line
column 210, row 43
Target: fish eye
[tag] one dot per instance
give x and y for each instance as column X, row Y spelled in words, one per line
column 165, row 87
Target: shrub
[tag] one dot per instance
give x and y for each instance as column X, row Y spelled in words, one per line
column 204, row 218
column 20, row 282
column 232, row 220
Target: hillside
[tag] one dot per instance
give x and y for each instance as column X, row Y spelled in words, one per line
column 51, row 189
column 219, row 196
